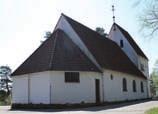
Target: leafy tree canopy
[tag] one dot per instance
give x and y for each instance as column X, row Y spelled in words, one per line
column 5, row 79
column 154, row 79
column 101, row 31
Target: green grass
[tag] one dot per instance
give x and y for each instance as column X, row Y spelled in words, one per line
column 152, row 111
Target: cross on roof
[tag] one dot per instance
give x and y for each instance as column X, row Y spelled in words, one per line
column 113, row 10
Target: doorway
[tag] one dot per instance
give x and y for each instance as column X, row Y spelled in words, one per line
column 97, row 90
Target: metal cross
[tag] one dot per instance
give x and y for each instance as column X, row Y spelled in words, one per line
column 113, row 10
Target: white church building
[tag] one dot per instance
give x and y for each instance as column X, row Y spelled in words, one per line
column 77, row 65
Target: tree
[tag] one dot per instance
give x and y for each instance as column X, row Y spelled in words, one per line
column 149, row 17
column 154, row 79
column 5, row 79
column 3, row 95
column 47, row 35
column 155, row 68
column 101, row 31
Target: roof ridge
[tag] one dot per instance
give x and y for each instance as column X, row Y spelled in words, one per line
column 66, row 39
column 83, row 25
column 102, row 37
column 82, row 45
column 53, row 48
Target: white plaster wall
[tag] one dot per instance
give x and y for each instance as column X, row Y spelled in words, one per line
column 146, row 72
column 50, row 87
column 39, row 88
column 20, row 89
column 31, row 88
column 62, row 93
column 116, row 36
column 145, row 63
column 113, row 88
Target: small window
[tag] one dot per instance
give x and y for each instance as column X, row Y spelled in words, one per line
column 142, row 87
column 72, row 77
column 111, row 76
column 121, row 43
column 124, row 84
column 142, row 67
column 134, row 86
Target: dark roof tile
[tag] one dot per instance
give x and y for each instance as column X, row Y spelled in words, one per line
column 60, row 53
column 57, row 53
column 107, row 53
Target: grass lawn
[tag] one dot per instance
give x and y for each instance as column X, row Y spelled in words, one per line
column 152, row 111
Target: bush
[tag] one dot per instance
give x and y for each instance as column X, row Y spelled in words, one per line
column 3, row 95
column 5, row 99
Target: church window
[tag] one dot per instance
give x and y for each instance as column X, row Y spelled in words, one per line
column 121, row 43
column 124, row 84
column 134, row 86
column 72, row 77
column 142, row 87
column 111, row 76
column 142, row 67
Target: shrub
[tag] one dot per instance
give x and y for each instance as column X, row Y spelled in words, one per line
column 3, row 95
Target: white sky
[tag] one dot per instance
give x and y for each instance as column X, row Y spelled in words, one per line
column 23, row 24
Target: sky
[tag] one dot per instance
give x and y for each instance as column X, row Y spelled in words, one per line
column 23, row 24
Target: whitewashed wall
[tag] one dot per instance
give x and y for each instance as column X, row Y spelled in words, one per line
column 116, row 36
column 40, row 88
column 20, row 89
column 113, row 88
column 31, row 88
column 146, row 72
column 145, row 63
column 62, row 92
column 50, row 87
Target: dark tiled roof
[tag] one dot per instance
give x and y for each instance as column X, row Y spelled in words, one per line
column 57, row 53
column 69, row 57
column 39, row 60
column 107, row 53
column 132, row 42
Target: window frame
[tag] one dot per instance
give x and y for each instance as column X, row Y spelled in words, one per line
column 134, row 85
column 111, row 77
column 142, row 87
column 124, row 85
column 121, row 43
column 142, row 67
column 72, row 77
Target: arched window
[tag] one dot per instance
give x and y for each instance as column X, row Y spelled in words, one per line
column 134, row 86
column 142, row 87
column 124, row 84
